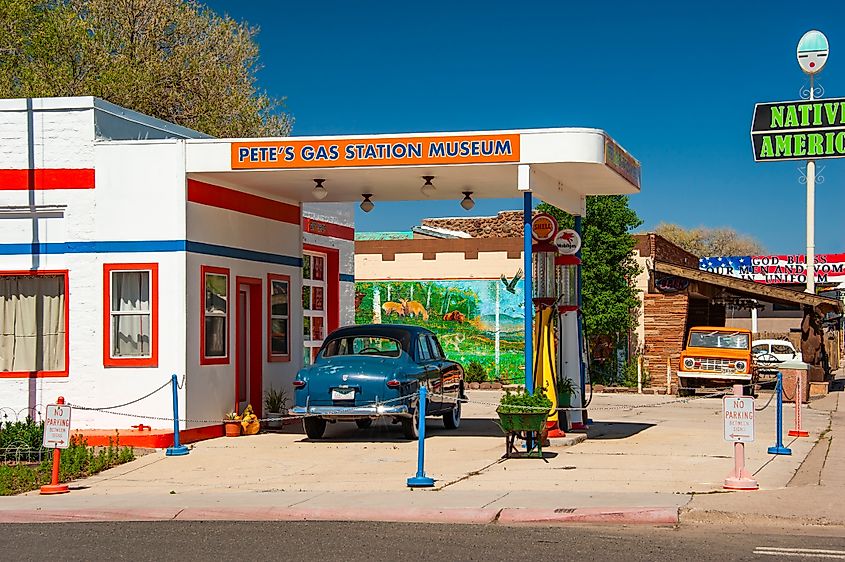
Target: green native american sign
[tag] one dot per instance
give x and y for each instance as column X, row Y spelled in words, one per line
column 799, row 130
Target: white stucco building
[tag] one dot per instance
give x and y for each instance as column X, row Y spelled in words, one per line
column 118, row 269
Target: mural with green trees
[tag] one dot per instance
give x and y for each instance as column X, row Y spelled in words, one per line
column 475, row 320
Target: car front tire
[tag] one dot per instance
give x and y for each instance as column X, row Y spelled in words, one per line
column 452, row 418
column 314, row 427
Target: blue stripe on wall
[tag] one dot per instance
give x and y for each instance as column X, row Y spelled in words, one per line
column 347, row 278
column 150, row 246
column 240, row 253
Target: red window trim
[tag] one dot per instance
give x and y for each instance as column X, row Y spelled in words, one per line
column 45, row 374
column 108, row 360
column 332, row 275
column 215, row 360
column 271, row 357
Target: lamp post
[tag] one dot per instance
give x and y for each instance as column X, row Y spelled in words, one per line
column 812, row 53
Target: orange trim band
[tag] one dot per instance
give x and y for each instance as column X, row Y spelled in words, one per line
column 150, row 439
column 47, row 178
column 238, row 201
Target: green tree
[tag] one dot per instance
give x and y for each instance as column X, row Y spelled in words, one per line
column 173, row 59
column 609, row 268
column 705, row 242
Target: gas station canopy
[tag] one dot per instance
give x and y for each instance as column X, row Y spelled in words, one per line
column 559, row 166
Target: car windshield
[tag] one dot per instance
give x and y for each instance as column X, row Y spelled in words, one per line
column 718, row 340
column 363, row 345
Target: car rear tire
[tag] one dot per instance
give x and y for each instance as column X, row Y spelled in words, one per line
column 364, row 423
column 452, row 418
column 314, row 427
column 411, row 427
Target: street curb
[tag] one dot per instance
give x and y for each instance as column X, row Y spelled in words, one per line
column 592, row 515
column 469, row 516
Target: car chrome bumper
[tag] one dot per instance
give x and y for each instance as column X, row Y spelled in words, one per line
column 350, row 411
column 712, row 375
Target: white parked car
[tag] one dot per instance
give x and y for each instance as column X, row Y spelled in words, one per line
column 782, row 350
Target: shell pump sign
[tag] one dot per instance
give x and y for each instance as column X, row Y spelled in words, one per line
column 375, row 151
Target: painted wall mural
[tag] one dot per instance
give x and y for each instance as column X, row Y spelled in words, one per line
column 475, row 320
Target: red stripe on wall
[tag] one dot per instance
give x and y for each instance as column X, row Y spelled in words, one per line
column 47, row 178
column 322, row 228
column 224, row 198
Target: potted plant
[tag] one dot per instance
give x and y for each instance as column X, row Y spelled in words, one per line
column 520, row 411
column 275, row 403
column 232, row 424
column 249, row 421
column 565, row 391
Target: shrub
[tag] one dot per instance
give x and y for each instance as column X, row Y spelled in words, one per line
column 475, row 372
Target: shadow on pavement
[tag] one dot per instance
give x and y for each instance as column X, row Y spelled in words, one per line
column 385, row 432
column 616, row 430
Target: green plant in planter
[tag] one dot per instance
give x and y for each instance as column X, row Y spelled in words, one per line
column 566, row 389
column 523, row 403
column 275, row 401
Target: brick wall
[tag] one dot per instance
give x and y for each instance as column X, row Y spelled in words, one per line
column 662, row 250
column 665, row 319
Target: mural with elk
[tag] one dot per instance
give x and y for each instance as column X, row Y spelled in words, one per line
column 478, row 321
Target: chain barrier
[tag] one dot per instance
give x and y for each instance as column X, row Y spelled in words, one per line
column 103, row 408
column 337, row 411
column 719, row 392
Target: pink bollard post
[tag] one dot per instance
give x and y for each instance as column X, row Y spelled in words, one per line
column 740, row 478
column 799, row 396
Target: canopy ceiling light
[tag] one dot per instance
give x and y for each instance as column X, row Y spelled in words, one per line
column 366, row 204
column 428, row 188
column 467, row 203
column 319, row 192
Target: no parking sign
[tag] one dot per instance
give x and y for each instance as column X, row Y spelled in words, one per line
column 57, row 427
column 739, row 418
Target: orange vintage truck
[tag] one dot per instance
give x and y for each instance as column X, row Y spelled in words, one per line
column 716, row 357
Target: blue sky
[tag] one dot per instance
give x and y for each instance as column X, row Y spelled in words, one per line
column 674, row 82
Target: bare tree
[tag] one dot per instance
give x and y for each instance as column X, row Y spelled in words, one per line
column 703, row 241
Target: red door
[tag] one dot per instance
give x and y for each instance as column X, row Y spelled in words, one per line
column 248, row 375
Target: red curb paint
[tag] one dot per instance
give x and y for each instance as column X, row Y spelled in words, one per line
column 600, row 515
column 475, row 516
column 71, row 515
column 405, row 515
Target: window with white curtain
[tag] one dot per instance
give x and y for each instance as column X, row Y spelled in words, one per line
column 130, row 337
column 33, row 323
column 131, row 314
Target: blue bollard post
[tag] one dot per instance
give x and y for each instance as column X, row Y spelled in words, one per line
column 421, row 480
column 779, row 449
column 177, row 450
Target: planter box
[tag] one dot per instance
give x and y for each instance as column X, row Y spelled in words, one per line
column 523, row 422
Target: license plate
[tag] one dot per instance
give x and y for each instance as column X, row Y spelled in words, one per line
column 343, row 394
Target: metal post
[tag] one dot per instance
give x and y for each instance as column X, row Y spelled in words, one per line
column 799, row 391
column 740, row 478
column 529, row 307
column 579, row 226
column 811, row 214
column 778, row 448
column 177, row 450
column 421, row 480
column 54, row 487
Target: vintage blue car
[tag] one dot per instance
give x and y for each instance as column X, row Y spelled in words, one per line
column 363, row 373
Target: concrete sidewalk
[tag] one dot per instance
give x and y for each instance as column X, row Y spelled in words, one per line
column 644, row 458
column 812, row 497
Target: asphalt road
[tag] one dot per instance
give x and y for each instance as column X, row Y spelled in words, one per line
column 371, row 542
